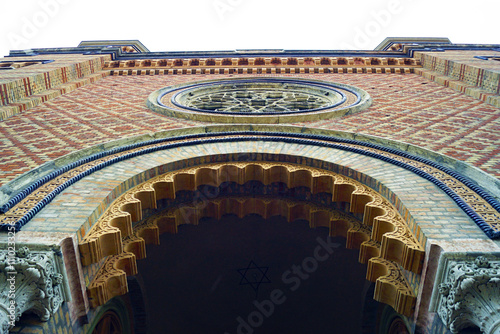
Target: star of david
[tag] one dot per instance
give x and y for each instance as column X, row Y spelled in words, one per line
column 254, row 276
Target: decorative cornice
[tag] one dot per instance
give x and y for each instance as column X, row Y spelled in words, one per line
column 468, row 292
column 31, row 281
column 127, row 46
column 134, row 49
column 263, row 65
column 397, row 43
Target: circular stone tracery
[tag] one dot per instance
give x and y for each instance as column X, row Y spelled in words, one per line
column 261, row 97
column 259, row 100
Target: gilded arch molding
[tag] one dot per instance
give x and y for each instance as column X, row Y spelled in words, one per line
column 382, row 233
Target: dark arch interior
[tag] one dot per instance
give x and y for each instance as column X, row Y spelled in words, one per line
column 108, row 324
column 209, row 279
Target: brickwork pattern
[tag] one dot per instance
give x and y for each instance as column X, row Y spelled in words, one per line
column 406, row 191
column 408, row 108
column 460, row 86
column 462, row 65
column 27, row 87
column 472, row 72
column 411, row 109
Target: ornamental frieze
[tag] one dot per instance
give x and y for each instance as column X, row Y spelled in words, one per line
column 482, row 208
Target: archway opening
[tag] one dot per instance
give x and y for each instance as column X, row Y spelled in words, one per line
column 168, row 201
column 108, row 324
column 237, row 275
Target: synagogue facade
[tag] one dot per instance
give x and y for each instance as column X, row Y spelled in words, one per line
column 222, row 191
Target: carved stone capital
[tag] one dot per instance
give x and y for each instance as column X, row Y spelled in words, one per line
column 468, row 292
column 31, row 281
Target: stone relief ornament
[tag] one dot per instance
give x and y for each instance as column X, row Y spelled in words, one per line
column 470, row 295
column 30, row 281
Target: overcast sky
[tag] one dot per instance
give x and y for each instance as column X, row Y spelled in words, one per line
column 183, row 25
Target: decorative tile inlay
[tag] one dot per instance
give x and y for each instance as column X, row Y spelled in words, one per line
column 480, row 206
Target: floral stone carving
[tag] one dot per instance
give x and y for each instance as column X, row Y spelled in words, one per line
column 470, row 295
column 30, row 281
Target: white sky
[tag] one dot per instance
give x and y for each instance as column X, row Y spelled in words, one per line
column 184, row 25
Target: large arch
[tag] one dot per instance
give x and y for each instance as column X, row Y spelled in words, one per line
column 390, row 191
column 385, row 242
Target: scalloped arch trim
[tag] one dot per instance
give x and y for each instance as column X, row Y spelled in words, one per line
column 382, row 234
